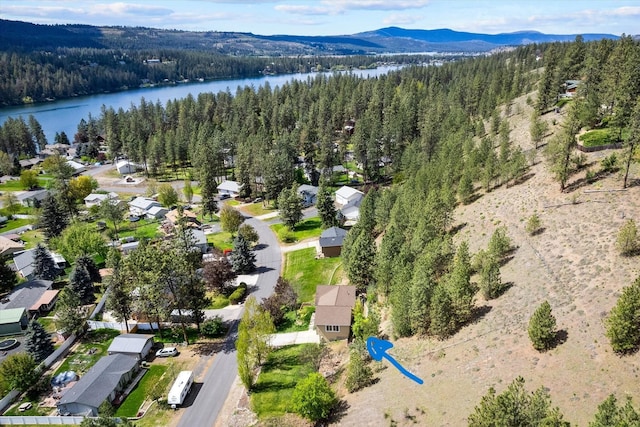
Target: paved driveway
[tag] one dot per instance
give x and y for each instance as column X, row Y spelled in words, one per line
column 290, row 338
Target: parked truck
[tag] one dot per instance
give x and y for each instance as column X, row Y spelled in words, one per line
column 180, row 389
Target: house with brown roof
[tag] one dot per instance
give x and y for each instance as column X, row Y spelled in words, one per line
column 333, row 311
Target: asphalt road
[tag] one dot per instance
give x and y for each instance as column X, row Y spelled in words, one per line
column 224, row 369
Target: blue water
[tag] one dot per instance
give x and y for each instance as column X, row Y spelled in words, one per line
column 64, row 115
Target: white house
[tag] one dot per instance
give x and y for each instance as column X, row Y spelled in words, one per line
column 309, row 194
column 230, row 188
column 157, row 212
column 346, row 195
column 77, row 167
column 95, row 199
column 125, row 167
column 140, row 206
column 350, row 213
column 200, row 240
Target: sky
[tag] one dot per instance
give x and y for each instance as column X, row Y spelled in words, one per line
column 337, row 17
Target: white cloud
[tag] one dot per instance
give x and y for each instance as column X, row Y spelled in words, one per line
column 127, row 9
column 303, row 9
column 376, row 4
column 401, row 19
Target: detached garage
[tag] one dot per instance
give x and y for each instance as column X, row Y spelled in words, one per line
column 136, row 345
column 13, row 321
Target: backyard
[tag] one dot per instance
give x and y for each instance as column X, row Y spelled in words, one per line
column 305, row 272
column 153, row 382
column 85, row 354
column 311, row 227
column 221, row 240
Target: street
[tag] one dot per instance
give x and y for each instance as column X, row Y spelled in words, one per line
column 224, row 369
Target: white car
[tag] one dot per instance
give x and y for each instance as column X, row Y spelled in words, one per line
column 167, row 352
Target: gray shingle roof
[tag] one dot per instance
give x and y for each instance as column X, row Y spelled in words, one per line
column 97, row 384
column 332, row 237
column 26, row 294
column 129, row 343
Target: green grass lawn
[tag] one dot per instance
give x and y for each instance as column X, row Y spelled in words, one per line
column 233, row 202
column 297, row 320
column 598, row 137
column 220, row 240
column 35, row 411
column 308, row 228
column 16, row 185
column 15, row 223
column 141, row 229
column 48, row 324
column 174, row 335
column 217, row 301
column 272, row 392
column 92, row 347
column 257, row 209
column 130, row 406
column 305, row 272
column 32, row 238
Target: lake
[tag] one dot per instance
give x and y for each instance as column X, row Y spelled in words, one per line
column 64, row 115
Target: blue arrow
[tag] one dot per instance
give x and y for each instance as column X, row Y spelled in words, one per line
column 378, row 350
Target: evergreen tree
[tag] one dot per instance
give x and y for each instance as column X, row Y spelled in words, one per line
column 89, row 264
column 359, row 374
column 611, row 415
column 81, row 284
column 628, row 241
column 37, row 341
column 43, row 265
column 53, row 218
column 71, row 315
column 459, row 285
column 242, row 257
column 360, row 261
column 119, row 300
column 441, row 314
column 542, row 327
column 623, row 323
column 326, row 208
column 500, row 243
column 290, row 207
column 8, row 278
column 490, row 281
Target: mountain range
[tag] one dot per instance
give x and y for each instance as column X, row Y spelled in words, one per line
column 24, row 36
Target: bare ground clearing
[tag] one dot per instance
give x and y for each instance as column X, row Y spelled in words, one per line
column 573, row 264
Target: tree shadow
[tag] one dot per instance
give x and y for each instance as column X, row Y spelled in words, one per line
column 539, row 231
column 579, row 183
column 455, row 230
column 338, row 412
column 260, row 246
column 523, row 179
column 262, row 269
column 561, row 337
column 479, row 312
column 503, row 289
column 505, row 260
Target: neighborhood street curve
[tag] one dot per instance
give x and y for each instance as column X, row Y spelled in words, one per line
column 223, row 371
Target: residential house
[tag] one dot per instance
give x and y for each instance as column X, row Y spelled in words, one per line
column 10, row 247
column 23, row 262
column 188, row 217
column 30, row 295
column 157, row 212
column 125, row 167
column 331, row 241
column 349, row 214
column 339, row 169
column 103, row 382
column 13, row 321
column 230, row 188
column 94, row 199
column 136, row 345
column 200, row 240
column 333, row 311
column 126, row 248
column 78, row 168
column 141, row 205
column 571, row 88
column 32, row 198
column 309, row 194
column 346, row 195
column 29, row 163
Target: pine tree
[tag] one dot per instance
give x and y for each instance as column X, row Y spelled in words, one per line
column 542, row 327
column 8, row 278
column 89, row 264
column 326, row 208
column 623, row 324
column 359, row 374
column 37, row 341
column 119, row 300
column 441, row 314
column 53, row 218
column 43, row 265
column 290, row 207
column 70, row 313
column 610, row 414
column 459, row 285
column 490, row 281
column 360, row 261
column 242, row 257
column 81, row 284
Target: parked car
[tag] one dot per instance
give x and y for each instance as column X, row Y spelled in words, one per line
column 167, row 352
column 134, row 218
column 224, row 196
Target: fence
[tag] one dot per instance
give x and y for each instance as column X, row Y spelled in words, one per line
column 6, row 401
column 120, row 326
column 39, row 421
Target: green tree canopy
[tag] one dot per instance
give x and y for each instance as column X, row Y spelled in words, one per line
column 43, row 265
column 290, row 206
column 242, row 258
column 542, row 327
column 313, row 397
column 230, row 219
column 167, row 195
column 18, row 371
column 53, row 218
column 623, row 323
column 80, row 238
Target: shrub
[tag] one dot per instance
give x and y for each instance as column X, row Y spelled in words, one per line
column 313, row 397
column 237, row 295
column 609, row 163
column 213, row 327
column 623, row 324
column 359, row 374
column 286, row 235
column 542, row 327
column 627, row 241
column 533, row 224
column 500, row 243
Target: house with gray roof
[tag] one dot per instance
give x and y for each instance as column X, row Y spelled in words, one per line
column 230, row 188
column 331, row 241
column 103, row 382
column 26, row 295
column 32, row 198
column 24, row 262
column 309, row 194
column 136, row 345
column 141, row 205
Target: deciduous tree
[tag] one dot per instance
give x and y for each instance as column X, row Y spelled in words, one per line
column 253, row 340
column 313, row 397
column 167, row 195
column 230, row 219
column 18, row 372
column 80, row 238
column 248, row 233
column 359, row 374
column 29, row 179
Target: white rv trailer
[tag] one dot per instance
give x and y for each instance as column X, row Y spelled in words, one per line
column 180, row 389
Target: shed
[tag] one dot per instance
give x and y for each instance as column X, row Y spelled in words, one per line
column 13, row 321
column 331, row 241
column 46, row 302
column 157, row 212
column 333, row 311
column 200, row 240
column 128, row 247
column 101, row 383
column 137, row 345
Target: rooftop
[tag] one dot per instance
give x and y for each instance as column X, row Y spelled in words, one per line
column 26, row 294
column 11, row 315
column 331, row 237
column 129, row 343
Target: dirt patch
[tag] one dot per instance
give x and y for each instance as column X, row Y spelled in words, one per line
column 573, row 264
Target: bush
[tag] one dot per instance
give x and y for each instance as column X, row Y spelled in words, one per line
column 213, row 327
column 500, row 243
column 533, row 224
column 313, row 397
column 286, row 235
column 237, row 295
column 609, row 163
column 596, row 138
column 542, row 327
column 359, row 374
column 627, row 241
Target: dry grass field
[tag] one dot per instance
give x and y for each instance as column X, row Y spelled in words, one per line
column 573, row 264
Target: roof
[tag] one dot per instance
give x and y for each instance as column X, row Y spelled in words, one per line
column 199, row 238
column 338, row 168
column 122, row 163
column 331, row 237
column 11, row 315
column 24, row 261
column 96, row 197
column 129, row 343
column 26, row 294
column 230, row 186
column 188, row 215
column 100, row 381
column 130, row 245
column 25, row 163
column 348, row 192
column 339, row 316
column 155, row 210
column 45, row 299
column 309, row 189
column 143, row 203
column 75, row 165
column 34, row 194
column 335, row 296
column 8, row 246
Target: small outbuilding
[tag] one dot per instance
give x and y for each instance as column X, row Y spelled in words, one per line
column 13, row 321
column 136, row 345
column 331, row 241
column 125, row 167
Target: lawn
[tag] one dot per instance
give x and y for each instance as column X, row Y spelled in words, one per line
column 174, row 335
column 257, row 209
column 130, row 406
column 600, row 137
column 308, row 228
column 233, row 202
column 297, row 320
column 32, row 238
column 15, row 223
column 305, row 272
column 220, row 240
column 91, row 348
column 271, row 395
column 140, row 229
column 16, row 185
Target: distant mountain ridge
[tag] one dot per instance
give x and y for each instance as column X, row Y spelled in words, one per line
column 16, row 35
